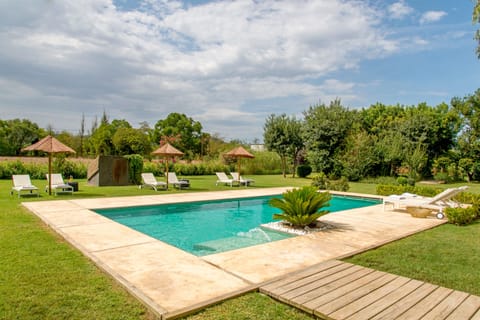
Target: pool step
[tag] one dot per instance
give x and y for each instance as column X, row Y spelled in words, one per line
column 225, row 244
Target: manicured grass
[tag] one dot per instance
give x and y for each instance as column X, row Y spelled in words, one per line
column 248, row 307
column 43, row 277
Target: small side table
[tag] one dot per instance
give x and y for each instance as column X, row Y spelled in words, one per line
column 74, row 185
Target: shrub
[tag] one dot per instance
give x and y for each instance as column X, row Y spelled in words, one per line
column 323, row 183
column 69, row 168
column 301, row 207
column 304, row 170
column 339, row 185
column 156, row 168
column 135, row 168
column 388, row 189
column 461, row 216
column 403, row 181
column 320, row 181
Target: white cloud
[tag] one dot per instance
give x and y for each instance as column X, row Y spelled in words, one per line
column 399, row 10
column 242, row 56
column 432, row 16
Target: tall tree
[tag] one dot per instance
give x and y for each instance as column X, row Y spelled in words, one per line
column 16, row 134
column 324, row 133
column 282, row 135
column 81, row 134
column 187, row 130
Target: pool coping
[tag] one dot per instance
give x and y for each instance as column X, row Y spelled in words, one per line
column 143, row 264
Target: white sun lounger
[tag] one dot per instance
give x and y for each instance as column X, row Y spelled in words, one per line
column 22, row 183
column 58, row 185
column 180, row 184
column 148, row 180
column 242, row 180
column 437, row 203
column 223, row 178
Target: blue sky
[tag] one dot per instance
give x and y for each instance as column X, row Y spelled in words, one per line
column 228, row 64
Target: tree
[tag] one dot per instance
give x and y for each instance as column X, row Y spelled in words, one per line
column 359, row 155
column 476, row 19
column 324, row 133
column 283, row 136
column 188, row 131
column 16, row 134
column 131, row 141
column 81, row 135
column 468, row 110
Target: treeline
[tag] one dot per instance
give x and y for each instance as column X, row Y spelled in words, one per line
column 409, row 141
column 412, row 142
column 117, row 137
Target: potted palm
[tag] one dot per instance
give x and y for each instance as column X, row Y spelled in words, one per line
column 301, row 207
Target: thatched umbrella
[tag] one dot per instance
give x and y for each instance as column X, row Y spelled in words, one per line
column 238, row 153
column 167, row 151
column 49, row 145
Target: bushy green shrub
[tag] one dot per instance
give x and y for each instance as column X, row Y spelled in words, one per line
column 322, row 182
column 403, row 181
column 68, row 168
column 304, row 170
column 389, row 189
column 339, row 185
column 135, row 168
column 461, row 216
column 156, row 168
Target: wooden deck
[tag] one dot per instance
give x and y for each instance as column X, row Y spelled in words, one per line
column 339, row 290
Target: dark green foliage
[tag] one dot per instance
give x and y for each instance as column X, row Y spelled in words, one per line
column 135, row 168
column 304, row 170
column 301, row 207
column 461, row 216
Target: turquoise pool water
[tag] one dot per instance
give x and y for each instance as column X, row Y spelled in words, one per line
column 209, row 227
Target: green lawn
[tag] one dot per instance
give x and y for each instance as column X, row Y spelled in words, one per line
column 43, row 277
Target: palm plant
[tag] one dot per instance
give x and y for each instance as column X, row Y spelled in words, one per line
column 301, row 207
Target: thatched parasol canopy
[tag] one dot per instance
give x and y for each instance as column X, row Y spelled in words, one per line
column 167, row 151
column 49, row 145
column 239, row 152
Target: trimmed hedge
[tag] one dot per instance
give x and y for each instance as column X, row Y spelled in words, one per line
column 389, row 189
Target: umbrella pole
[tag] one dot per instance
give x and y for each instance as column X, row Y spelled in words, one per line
column 50, row 174
column 166, row 170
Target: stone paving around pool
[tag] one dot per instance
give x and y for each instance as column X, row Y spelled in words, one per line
column 173, row 282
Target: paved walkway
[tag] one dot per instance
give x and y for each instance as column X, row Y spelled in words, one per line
column 339, row 290
column 172, row 282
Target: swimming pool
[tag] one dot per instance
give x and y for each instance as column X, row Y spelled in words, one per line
column 209, row 227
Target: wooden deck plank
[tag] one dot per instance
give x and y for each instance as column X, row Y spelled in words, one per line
column 467, row 309
column 305, row 289
column 274, row 285
column 385, row 301
column 447, row 306
column 402, row 305
column 310, row 295
column 337, row 290
column 355, row 295
column 427, row 304
column 368, row 299
column 476, row 316
column 318, row 302
column 310, row 279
